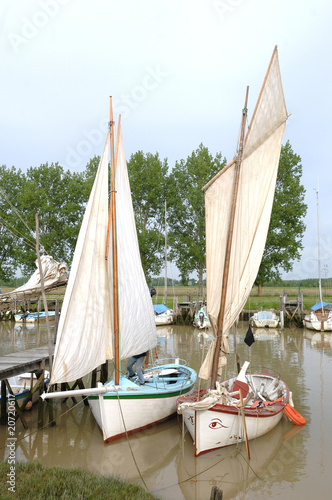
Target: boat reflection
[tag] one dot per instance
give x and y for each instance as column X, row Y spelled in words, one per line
column 228, row 468
column 265, row 333
column 318, row 340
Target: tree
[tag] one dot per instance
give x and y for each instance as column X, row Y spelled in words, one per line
column 186, row 213
column 284, row 239
column 11, row 182
column 148, row 181
column 57, row 197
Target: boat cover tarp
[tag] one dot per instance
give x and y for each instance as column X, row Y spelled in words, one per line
column 319, row 305
column 160, row 308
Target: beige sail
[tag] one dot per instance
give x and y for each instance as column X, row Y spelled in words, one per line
column 136, row 316
column 84, row 337
column 257, row 181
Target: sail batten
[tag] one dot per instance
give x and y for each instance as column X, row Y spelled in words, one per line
column 256, row 188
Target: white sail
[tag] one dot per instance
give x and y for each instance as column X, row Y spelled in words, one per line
column 136, row 315
column 84, row 337
column 54, row 274
column 253, row 210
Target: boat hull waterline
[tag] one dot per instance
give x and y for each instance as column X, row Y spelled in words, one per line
column 222, row 425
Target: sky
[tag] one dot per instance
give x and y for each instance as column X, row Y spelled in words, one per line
column 177, row 71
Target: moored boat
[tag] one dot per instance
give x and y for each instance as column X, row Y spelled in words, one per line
column 34, row 317
column 238, row 205
column 216, row 418
column 319, row 318
column 264, row 319
column 163, row 315
column 121, row 323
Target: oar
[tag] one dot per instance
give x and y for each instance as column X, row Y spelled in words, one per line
column 294, row 415
column 244, row 424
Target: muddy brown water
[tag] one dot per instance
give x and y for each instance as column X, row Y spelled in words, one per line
column 289, row 462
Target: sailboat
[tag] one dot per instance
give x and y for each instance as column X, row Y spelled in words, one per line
column 107, row 312
column 320, row 317
column 238, row 204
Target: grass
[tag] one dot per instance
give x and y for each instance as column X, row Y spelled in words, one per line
column 34, row 481
column 269, row 300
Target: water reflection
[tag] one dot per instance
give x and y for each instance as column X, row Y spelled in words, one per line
column 289, row 461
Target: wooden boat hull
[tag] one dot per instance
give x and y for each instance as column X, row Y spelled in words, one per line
column 318, row 323
column 133, row 408
column 264, row 324
column 222, row 425
column 165, row 318
column 20, row 385
column 264, row 319
column 33, row 317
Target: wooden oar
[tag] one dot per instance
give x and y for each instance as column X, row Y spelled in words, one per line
column 244, row 424
column 294, row 415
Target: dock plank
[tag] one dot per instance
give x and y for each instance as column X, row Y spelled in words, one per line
column 24, row 361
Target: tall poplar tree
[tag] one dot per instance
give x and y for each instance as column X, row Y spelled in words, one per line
column 186, row 214
column 286, row 230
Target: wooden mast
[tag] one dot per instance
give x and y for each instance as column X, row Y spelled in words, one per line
column 220, row 323
column 112, row 223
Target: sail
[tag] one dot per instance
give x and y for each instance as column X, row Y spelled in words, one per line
column 54, row 274
column 257, row 181
column 84, row 337
column 136, row 315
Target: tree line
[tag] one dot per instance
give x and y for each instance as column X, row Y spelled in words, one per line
column 60, row 197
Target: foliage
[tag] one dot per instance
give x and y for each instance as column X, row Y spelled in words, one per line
column 284, row 239
column 186, row 212
column 148, row 182
column 11, row 182
column 57, row 198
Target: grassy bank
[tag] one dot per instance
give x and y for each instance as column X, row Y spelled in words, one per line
column 33, row 481
column 269, row 300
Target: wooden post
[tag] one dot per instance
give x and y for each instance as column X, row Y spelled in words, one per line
column 41, row 403
column 44, row 300
column 3, row 420
column 57, row 313
column 94, row 378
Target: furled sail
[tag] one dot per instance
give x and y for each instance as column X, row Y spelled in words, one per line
column 84, row 338
column 54, row 274
column 136, row 315
column 257, row 181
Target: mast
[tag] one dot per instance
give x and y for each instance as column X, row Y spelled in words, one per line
column 165, row 253
column 319, row 271
column 220, row 323
column 112, row 222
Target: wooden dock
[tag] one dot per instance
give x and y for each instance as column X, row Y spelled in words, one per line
column 20, row 362
column 31, row 360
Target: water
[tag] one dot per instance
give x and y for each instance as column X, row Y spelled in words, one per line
column 289, row 462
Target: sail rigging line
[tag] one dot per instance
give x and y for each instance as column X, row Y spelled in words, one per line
column 28, row 242
column 15, row 210
column 220, row 323
column 127, row 437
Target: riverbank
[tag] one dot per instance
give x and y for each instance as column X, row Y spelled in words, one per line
column 33, row 481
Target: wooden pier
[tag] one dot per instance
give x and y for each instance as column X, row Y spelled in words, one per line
column 31, row 360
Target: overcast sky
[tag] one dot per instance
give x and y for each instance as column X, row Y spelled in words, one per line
column 177, row 71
